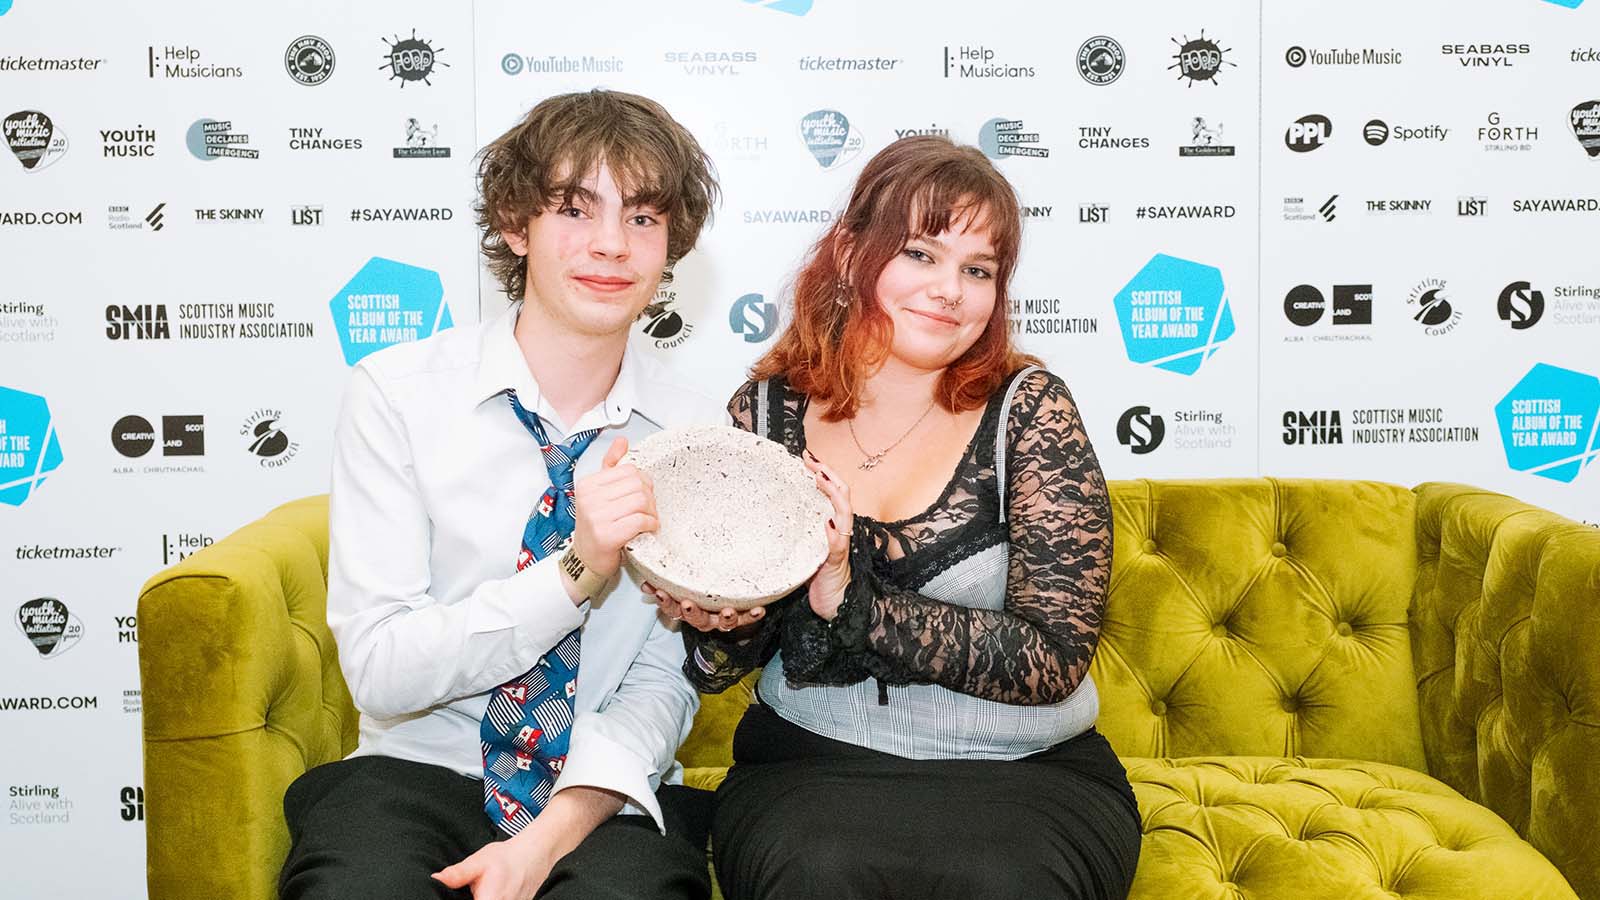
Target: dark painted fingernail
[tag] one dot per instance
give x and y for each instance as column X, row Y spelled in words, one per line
column 831, row 525
column 824, row 475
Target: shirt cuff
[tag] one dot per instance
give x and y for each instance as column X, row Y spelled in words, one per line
column 595, row 760
column 535, row 603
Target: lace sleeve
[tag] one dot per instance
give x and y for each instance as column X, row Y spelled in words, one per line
column 717, row 660
column 1037, row 649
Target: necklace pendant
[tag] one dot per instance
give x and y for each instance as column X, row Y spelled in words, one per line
column 871, row 461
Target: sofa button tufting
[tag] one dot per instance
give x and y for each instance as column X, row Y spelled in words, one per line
column 1159, row 708
column 1290, row 704
column 1219, row 630
column 1279, row 550
column 1149, row 545
column 1344, row 629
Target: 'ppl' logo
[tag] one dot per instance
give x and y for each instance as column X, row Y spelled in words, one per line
column 387, row 303
column 29, row 450
column 1174, row 314
column 1547, row 422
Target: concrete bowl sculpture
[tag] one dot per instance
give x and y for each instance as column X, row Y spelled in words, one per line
column 741, row 521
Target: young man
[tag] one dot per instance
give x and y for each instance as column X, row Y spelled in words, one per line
column 487, row 766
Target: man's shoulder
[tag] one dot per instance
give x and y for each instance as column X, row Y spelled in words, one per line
column 444, row 354
column 679, row 399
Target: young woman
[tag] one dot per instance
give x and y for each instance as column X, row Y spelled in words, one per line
column 925, row 720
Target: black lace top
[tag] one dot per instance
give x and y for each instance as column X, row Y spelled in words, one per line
column 1034, row 650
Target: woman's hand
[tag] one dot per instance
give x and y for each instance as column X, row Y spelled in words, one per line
column 833, row 576
column 700, row 618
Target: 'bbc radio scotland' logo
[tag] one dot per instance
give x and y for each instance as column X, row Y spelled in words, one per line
column 1547, row 422
column 29, row 450
column 48, row 626
column 387, row 303
column 1174, row 314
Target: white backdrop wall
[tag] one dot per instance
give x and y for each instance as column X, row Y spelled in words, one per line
column 1314, row 239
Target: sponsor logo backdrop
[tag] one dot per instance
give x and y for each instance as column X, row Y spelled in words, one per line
column 1302, row 240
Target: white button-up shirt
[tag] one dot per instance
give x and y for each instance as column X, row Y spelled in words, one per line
column 433, row 480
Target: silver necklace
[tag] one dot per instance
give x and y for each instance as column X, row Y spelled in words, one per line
column 872, row 459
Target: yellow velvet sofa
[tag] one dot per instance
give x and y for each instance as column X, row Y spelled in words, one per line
column 1321, row 689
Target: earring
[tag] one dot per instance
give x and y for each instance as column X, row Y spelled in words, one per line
column 842, row 297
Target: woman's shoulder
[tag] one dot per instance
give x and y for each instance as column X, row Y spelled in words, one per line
column 1032, row 384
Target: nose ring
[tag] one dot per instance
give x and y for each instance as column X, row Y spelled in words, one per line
column 951, row 304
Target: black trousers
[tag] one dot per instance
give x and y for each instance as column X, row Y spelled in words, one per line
column 376, row 827
column 801, row 816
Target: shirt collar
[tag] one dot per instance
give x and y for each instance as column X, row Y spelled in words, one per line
column 501, row 366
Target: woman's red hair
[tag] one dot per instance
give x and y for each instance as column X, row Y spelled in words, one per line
column 917, row 186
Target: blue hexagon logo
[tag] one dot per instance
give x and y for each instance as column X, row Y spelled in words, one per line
column 28, row 447
column 1569, row 4
column 1174, row 314
column 1547, row 422
column 387, row 303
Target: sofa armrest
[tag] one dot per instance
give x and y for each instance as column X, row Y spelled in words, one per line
column 242, row 693
column 1505, row 628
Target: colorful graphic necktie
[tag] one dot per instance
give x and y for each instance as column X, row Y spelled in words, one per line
column 528, row 722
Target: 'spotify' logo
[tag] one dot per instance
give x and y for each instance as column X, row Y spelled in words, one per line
column 1200, row 59
column 1174, row 314
column 1585, row 123
column 29, row 450
column 48, row 626
column 33, row 137
column 387, row 303
column 830, row 137
column 753, row 317
column 411, row 59
column 1547, row 422
column 309, row 60
column 1141, row 430
column 1520, row 305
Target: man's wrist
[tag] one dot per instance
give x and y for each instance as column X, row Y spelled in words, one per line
column 582, row 582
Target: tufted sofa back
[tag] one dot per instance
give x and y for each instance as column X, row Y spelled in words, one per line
column 1260, row 617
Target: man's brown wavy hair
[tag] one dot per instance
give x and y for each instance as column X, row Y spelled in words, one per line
column 541, row 162
column 915, row 186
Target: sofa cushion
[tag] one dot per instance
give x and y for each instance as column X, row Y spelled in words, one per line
column 1260, row 617
column 1323, row 829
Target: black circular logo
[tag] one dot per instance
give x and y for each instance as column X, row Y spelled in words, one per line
column 309, row 60
column 1376, row 132
column 1100, row 60
column 1295, row 56
column 1436, row 308
column 1199, row 59
column 133, row 436
column 412, row 59
column 1304, row 305
column 1308, row 133
column 1520, row 305
column 1141, row 430
column 269, row 440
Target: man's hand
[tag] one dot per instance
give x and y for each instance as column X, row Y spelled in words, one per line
column 514, row 869
column 611, row 507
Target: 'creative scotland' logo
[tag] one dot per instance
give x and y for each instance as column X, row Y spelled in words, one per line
column 1004, row 137
column 797, row 7
column 1547, row 422
column 387, row 303
column 753, row 317
column 1174, row 314
column 1200, row 59
column 29, row 450
column 830, row 137
column 33, row 137
column 309, row 60
column 210, row 140
column 411, row 59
